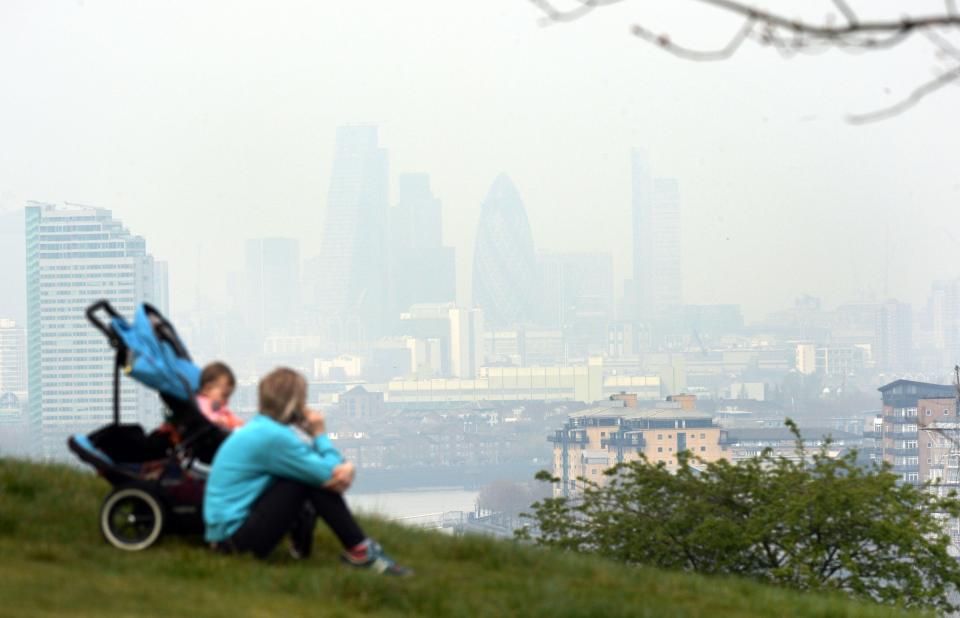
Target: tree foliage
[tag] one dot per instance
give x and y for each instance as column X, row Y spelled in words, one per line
column 811, row 523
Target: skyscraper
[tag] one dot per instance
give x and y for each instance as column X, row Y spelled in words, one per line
column 417, row 219
column 574, row 283
column 944, row 307
column 75, row 256
column 13, row 358
column 422, row 269
column 352, row 285
column 161, row 286
column 12, row 270
column 657, row 276
column 272, row 284
column 894, row 336
column 505, row 283
column 578, row 298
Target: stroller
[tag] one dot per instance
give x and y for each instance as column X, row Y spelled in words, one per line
column 158, row 478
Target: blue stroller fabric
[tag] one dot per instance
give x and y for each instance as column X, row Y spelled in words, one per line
column 153, row 361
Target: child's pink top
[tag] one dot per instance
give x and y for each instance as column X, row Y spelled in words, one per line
column 220, row 416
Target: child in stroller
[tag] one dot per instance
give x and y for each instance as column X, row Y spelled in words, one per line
column 158, row 479
column 216, row 386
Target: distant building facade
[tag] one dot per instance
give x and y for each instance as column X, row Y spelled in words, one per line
column 351, row 292
column 747, row 442
column 466, row 342
column 938, row 428
column 899, row 432
column 272, row 284
column 13, row 358
column 583, row 383
column 657, row 274
column 505, row 283
column 833, row 361
column 359, row 403
column 894, row 336
column 75, row 256
column 422, row 269
column 443, row 339
column 944, row 307
column 577, row 299
column 597, row 439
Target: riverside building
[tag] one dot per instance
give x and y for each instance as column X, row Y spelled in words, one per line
column 597, row 439
column 899, row 432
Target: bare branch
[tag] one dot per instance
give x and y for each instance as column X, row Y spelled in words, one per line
column 825, row 30
column 847, row 12
column 915, row 97
column 831, row 31
column 725, row 52
column 790, row 36
column 942, row 44
column 553, row 14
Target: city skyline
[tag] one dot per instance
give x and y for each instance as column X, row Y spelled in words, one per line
column 421, row 229
column 764, row 177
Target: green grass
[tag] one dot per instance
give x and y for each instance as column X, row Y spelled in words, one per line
column 53, row 562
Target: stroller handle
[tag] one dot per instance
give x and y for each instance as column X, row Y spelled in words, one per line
column 106, row 307
column 165, row 331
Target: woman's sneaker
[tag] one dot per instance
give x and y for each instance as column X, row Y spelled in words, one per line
column 376, row 560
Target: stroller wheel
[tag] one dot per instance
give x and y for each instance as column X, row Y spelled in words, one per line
column 131, row 518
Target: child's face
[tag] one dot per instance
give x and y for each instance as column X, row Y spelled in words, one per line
column 219, row 390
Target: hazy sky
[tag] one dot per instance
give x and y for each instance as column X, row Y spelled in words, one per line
column 203, row 123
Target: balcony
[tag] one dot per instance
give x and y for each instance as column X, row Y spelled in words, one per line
column 900, row 435
column 563, row 436
column 902, row 452
column 632, row 441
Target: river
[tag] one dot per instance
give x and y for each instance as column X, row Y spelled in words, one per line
column 409, row 503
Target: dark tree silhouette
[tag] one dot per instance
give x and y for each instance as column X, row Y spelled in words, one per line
column 842, row 29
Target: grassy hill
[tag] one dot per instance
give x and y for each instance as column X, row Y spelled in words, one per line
column 54, row 563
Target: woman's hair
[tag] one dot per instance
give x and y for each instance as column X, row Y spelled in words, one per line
column 283, row 395
column 214, row 371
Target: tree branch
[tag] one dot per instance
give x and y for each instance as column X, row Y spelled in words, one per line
column 847, row 12
column 790, row 36
column 915, row 97
column 691, row 54
column 554, row 14
column 833, row 31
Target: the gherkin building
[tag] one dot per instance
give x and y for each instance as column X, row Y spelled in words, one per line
column 505, row 281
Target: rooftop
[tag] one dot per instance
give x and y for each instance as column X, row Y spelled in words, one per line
column 750, row 434
column 617, row 411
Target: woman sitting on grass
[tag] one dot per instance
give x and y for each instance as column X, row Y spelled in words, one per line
column 276, row 474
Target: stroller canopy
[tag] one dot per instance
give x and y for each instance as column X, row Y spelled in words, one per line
column 155, row 355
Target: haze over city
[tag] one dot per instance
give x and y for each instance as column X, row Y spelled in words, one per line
column 200, row 126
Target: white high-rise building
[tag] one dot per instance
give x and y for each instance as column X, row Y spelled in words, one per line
column 466, row 342
column 77, row 255
column 13, row 358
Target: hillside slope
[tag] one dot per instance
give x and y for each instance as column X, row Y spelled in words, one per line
column 54, row 563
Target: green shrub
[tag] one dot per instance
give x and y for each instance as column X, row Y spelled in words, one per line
column 810, row 523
